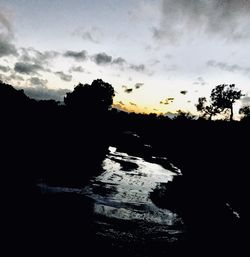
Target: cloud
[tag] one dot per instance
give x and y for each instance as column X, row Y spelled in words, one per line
column 35, row 81
column 167, row 100
column 183, row 92
column 227, row 19
column 119, row 61
column 245, row 100
column 120, row 107
column 133, row 104
column 121, row 103
column 102, row 58
column 5, row 24
column 31, row 55
column 170, row 115
column 7, row 48
column 4, row 68
column 63, row 76
column 139, row 68
column 6, row 36
column 168, row 56
column 228, row 67
column 27, row 68
column 77, row 56
column 76, row 69
column 128, row 90
column 92, row 34
column 200, row 81
column 44, row 93
column 138, row 85
column 13, row 78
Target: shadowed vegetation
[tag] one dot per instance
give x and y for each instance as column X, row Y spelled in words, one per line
column 64, row 145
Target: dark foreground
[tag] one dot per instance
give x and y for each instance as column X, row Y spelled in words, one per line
column 57, row 199
column 134, row 206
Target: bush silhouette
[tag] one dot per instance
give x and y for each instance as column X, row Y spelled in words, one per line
column 95, row 98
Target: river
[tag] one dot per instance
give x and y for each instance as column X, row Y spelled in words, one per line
column 122, row 209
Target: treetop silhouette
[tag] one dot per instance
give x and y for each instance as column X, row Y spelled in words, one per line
column 222, row 98
column 97, row 97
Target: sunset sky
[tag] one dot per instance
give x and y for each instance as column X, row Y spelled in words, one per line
column 159, row 55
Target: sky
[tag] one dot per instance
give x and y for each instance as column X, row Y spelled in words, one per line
column 159, row 55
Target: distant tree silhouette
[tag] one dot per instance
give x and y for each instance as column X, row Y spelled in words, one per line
column 224, row 96
column 245, row 111
column 181, row 115
column 11, row 99
column 94, row 98
column 206, row 110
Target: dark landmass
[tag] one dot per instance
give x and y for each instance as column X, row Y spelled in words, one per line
column 65, row 144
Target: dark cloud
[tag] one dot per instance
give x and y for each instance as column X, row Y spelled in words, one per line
column 31, row 55
column 128, row 90
column 4, row 68
column 119, row 61
column 155, row 110
column 227, row 19
column 35, row 81
column 138, row 85
column 228, row 67
column 183, row 92
column 139, row 68
column 121, row 103
column 27, row 68
column 7, row 48
column 77, row 56
column 44, row 93
column 63, row 76
column 6, row 36
column 76, row 69
column 167, row 100
column 102, row 59
column 133, row 104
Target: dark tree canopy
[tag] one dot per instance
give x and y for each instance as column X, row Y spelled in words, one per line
column 224, row 96
column 245, row 111
column 206, row 110
column 97, row 97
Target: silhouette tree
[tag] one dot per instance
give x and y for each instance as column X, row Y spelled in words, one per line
column 206, row 110
column 245, row 111
column 94, row 98
column 12, row 99
column 224, row 96
column 182, row 115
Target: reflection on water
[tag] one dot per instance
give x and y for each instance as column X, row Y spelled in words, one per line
column 123, row 211
column 122, row 194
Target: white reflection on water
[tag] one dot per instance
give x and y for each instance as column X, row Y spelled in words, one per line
column 123, row 194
